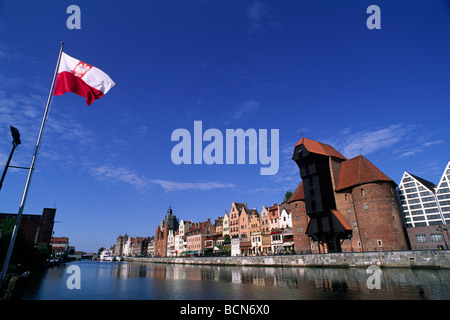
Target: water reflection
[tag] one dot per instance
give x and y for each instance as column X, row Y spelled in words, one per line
column 132, row 280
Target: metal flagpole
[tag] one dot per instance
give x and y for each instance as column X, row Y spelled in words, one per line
column 30, row 172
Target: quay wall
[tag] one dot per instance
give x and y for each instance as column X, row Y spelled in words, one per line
column 398, row 259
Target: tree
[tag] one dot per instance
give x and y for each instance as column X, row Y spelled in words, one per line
column 287, row 196
column 26, row 253
column 100, row 250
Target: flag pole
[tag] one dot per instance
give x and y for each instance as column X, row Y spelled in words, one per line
column 30, row 172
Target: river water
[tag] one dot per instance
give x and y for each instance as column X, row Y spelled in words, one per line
column 95, row 280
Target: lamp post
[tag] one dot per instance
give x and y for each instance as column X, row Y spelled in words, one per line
column 16, row 141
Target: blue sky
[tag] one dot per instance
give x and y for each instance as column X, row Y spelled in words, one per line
column 290, row 65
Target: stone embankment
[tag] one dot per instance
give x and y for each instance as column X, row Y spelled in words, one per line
column 399, row 259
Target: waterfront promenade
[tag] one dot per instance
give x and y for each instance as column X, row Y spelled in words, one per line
column 395, row 259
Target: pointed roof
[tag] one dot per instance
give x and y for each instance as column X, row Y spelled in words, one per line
column 340, row 218
column 299, row 194
column 357, row 171
column 199, row 228
column 251, row 211
column 240, row 206
column 320, row 148
column 428, row 184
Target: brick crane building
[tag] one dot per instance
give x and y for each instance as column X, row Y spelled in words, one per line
column 349, row 204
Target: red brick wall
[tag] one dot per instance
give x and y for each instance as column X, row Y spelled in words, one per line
column 428, row 243
column 302, row 243
column 160, row 243
column 374, row 216
column 38, row 228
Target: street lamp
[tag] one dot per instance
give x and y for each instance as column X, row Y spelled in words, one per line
column 16, row 141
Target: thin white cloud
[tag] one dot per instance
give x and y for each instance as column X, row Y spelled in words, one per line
column 67, row 128
column 259, row 20
column 246, row 108
column 351, row 144
column 403, row 140
column 142, row 183
column 6, row 53
column 257, row 10
column 422, row 147
column 25, row 111
column 168, row 185
column 118, row 174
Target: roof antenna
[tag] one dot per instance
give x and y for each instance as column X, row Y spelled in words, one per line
column 301, row 133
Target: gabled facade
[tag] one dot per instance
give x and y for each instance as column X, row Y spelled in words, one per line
column 443, row 194
column 419, row 201
column 285, row 217
column 120, row 243
column 234, row 215
column 273, row 217
column 218, row 225
column 264, row 219
column 127, row 247
column 139, row 246
column 254, row 223
column 180, row 239
column 197, row 234
column 171, row 243
column 151, row 247
column 276, row 241
column 248, row 222
column 243, row 224
column 260, row 241
column 226, row 224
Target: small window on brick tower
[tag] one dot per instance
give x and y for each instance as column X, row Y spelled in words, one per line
column 362, row 192
column 346, row 197
column 379, row 243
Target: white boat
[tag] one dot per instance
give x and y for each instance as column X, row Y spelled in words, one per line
column 106, row 255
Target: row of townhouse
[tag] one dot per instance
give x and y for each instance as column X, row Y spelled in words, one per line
column 127, row 246
column 254, row 233
column 242, row 231
column 188, row 238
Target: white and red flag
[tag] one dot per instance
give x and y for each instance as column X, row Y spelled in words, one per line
column 82, row 79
